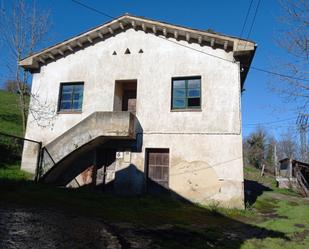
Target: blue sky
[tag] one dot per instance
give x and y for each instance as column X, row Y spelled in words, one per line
column 259, row 103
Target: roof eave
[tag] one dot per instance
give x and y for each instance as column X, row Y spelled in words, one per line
column 245, row 58
column 52, row 53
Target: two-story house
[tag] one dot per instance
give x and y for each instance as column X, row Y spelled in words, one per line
column 138, row 105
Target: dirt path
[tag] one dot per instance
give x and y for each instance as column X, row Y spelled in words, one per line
column 40, row 229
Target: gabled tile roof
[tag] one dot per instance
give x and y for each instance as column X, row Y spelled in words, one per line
column 243, row 49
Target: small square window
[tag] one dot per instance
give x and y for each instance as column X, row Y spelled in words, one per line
column 71, row 97
column 186, row 93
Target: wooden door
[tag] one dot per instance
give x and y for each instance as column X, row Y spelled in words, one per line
column 129, row 101
column 158, row 168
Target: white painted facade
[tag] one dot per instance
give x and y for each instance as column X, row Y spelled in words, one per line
column 205, row 146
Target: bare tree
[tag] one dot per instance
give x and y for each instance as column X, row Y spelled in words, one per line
column 23, row 29
column 294, row 40
column 12, row 86
column 287, row 145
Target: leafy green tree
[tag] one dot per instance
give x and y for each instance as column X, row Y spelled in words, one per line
column 254, row 147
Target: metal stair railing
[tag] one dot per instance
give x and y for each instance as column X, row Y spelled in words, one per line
column 39, row 143
column 43, row 164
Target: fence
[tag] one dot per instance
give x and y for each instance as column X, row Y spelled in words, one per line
column 11, row 149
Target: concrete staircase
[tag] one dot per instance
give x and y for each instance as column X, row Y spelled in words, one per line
column 95, row 129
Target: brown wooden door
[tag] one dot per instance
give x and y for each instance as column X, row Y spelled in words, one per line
column 129, row 101
column 158, row 168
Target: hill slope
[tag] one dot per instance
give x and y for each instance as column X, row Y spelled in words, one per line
column 10, row 123
column 10, row 117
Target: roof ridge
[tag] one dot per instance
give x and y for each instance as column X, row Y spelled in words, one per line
column 125, row 21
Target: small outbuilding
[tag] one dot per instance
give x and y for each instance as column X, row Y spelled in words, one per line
column 293, row 173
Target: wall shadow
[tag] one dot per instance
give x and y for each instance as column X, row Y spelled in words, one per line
column 14, row 118
column 10, row 151
column 214, row 230
column 253, row 190
column 220, row 230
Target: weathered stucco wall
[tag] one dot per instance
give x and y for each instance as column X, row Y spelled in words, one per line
column 205, row 146
column 203, row 168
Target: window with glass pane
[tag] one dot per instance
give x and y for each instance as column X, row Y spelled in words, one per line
column 186, row 93
column 71, row 96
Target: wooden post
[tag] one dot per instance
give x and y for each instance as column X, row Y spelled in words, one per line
column 104, row 169
column 290, row 168
column 263, row 168
column 95, row 168
column 38, row 163
column 275, row 161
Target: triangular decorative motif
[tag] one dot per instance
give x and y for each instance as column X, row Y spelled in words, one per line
column 140, row 51
column 127, row 51
column 114, row 53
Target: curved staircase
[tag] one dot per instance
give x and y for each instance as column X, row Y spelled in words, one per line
column 95, row 129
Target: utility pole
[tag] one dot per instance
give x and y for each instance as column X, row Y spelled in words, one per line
column 302, row 122
column 275, row 160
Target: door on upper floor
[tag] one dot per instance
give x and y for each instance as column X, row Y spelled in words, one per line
column 129, row 100
column 125, row 96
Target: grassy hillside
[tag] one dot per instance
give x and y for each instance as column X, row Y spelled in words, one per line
column 10, row 117
column 10, row 148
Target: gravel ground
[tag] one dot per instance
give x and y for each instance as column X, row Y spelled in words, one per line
column 40, row 229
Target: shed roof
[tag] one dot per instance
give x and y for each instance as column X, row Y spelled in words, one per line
column 294, row 162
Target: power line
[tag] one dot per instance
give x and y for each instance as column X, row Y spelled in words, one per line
column 253, row 21
column 245, row 22
column 277, row 74
column 270, row 122
column 207, row 167
column 194, row 49
column 112, row 17
column 218, row 57
column 273, row 127
column 93, row 9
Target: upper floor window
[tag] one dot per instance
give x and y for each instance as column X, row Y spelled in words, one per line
column 71, row 97
column 186, row 93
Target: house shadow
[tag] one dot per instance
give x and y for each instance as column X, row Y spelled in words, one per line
column 216, row 229
column 10, row 152
column 253, row 190
column 175, row 214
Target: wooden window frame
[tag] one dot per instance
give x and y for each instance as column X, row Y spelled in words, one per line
column 186, row 108
column 146, row 165
column 69, row 111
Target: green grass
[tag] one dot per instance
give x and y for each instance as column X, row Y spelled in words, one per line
column 10, row 123
column 279, row 210
column 13, row 173
column 275, row 220
column 143, row 210
column 10, row 117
